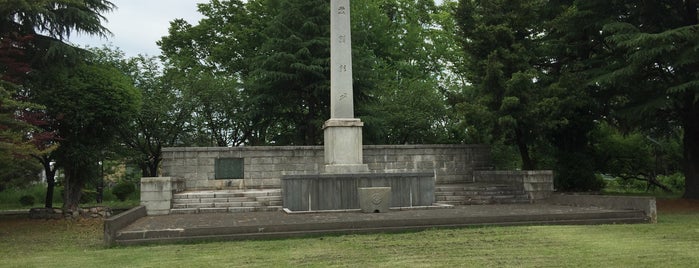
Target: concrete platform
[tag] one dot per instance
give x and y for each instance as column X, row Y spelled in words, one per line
column 272, row 225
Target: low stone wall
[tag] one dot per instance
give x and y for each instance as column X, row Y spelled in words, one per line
column 538, row 184
column 645, row 204
column 263, row 167
column 113, row 224
column 157, row 193
column 57, row 213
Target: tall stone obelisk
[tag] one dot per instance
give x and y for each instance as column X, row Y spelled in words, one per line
column 342, row 132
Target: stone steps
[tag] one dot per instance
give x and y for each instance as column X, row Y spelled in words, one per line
column 225, row 201
column 479, row 194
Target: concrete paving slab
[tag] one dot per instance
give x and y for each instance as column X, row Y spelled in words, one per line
column 267, row 225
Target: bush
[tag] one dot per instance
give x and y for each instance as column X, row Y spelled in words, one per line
column 674, row 181
column 88, row 196
column 27, row 200
column 123, row 189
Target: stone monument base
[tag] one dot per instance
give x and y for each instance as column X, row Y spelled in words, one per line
column 340, row 191
column 343, row 146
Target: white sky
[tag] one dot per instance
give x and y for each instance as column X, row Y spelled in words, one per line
column 138, row 24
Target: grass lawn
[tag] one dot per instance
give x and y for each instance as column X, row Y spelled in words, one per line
column 673, row 242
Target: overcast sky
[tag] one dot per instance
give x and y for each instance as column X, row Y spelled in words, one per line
column 138, row 24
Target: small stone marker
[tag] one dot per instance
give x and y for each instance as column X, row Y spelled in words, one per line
column 374, row 199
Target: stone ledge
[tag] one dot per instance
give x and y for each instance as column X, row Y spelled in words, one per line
column 645, row 204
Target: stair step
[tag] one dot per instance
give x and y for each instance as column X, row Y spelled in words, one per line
column 213, row 210
column 184, row 211
column 241, row 209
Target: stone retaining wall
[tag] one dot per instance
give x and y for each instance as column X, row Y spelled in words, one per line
column 113, row 224
column 157, row 193
column 645, row 204
column 264, row 166
column 538, row 184
column 57, row 213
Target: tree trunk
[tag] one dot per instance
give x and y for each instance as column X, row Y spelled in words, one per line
column 72, row 190
column 527, row 161
column 51, row 182
column 691, row 124
column 153, row 166
column 691, row 153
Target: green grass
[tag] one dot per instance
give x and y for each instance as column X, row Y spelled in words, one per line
column 673, row 242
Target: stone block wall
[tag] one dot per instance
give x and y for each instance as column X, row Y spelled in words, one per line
column 264, row 166
column 645, row 204
column 157, row 193
column 538, row 184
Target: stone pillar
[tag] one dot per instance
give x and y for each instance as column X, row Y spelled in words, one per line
column 343, row 132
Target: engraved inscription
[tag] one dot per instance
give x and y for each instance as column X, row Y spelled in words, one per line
column 342, row 39
column 342, row 68
column 343, row 96
column 341, row 10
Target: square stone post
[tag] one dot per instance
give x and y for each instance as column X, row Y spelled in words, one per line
column 343, row 132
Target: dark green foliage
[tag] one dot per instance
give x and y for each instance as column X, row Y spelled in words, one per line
column 123, row 190
column 27, row 200
column 91, row 103
column 258, row 71
column 289, row 84
column 654, row 74
column 32, row 35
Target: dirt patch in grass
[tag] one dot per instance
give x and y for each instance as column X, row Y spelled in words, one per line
column 677, row 205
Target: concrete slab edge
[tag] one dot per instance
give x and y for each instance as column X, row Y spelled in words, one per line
column 368, row 230
column 434, row 206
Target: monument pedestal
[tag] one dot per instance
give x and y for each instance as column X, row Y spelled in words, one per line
column 343, row 146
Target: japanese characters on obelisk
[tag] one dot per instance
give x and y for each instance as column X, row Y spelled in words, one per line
column 342, row 132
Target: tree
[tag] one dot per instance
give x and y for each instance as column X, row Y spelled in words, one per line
column 32, row 34
column 654, row 74
column 91, row 103
column 289, row 84
column 164, row 111
column 401, row 52
column 16, row 148
column 209, row 62
column 637, row 155
column 502, row 41
column 269, row 61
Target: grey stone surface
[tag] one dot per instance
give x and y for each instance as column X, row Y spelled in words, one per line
column 341, row 92
column 537, row 184
column 452, row 163
column 157, row 193
column 267, row 225
column 339, row 191
column 645, row 204
column 120, row 221
column 374, row 199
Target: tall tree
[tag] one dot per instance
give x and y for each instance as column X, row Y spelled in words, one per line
column 401, row 52
column 91, row 103
column 32, row 33
column 16, row 165
column 208, row 62
column 289, row 84
column 501, row 40
column 655, row 73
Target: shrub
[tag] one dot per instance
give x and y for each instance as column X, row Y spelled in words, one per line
column 87, row 196
column 123, row 189
column 27, row 200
